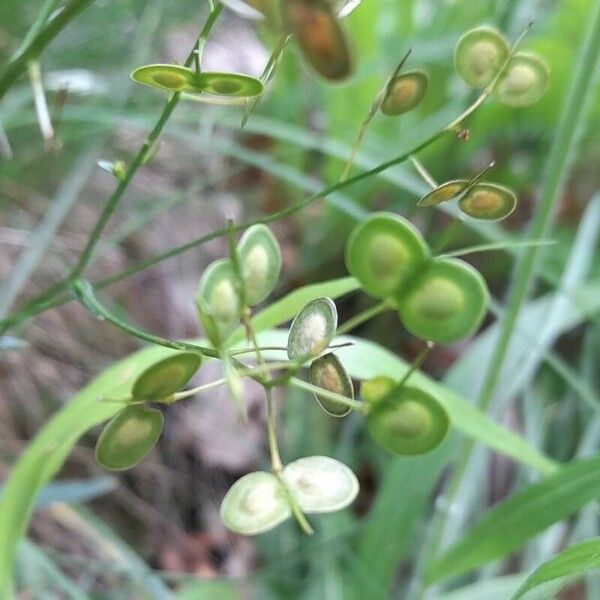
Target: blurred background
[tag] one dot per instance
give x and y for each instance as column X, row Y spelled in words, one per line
column 155, row 531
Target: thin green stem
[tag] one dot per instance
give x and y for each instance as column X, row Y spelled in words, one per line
column 423, row 172
column 295, row 507
column 356, row 405
column 276, row 464
column 496, row 246
column 363, row 317
column 419, row 360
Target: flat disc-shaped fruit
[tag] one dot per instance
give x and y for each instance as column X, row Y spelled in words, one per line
column 128, row 437
column 488, row 201
column 260, row 262
column 444, row 192
column 254, row 504
column 524, row 81
column 408, row 421
column 479, row 55
column 404, row 92
column 320, row 37
column 445, row 303
column 383, row 252
column 166, row 77
column 312, row 329
column 218, row 300
column 229, row 84
column 166, row 376
column 328, row 372
column 320, row 484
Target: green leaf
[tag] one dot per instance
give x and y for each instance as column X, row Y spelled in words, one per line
column 507, row 526
column 496, row 588
column 571, row 562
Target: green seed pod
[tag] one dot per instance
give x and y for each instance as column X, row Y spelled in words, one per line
column 408, row 421
column 165, row 377
column 445, row 303
column 329, row 373
column 254, row 504
column 377, row 388
column 312, row 329
column 479, row 55
column 488, row 201
column 404, row 92
column 260, row 262
column 128, row 437
column 320, row 37
column 444, row 192
column 524, row 82
column 383, row 252
column 218, row 301
column 172, row 78
column 320, row 484
column 229, row 84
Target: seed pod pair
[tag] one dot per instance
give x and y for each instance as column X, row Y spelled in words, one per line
column 132, row 432
column 484, row 201
column 220, row 294
column 402, row 419
column 259, row 501
column 482, row 52
column 174, row 78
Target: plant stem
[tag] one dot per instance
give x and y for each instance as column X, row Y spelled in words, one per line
column 423, row 172
column 556, row 170
column 419, row 360
column 315, row 389
column 363, row 317
column 496, row 246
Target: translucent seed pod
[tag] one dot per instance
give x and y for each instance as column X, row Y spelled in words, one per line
column 445, row 303
column 329, row 373
column 320, row 37
column 128, row 437
column 488, row 202
column 479, row 55
column 376, row 388
column 172, row 78
column 218, row 301
column 312, row 329
column 260, row 263
column 320, row 484
column 254, row 504
column 444, row 192
column 383, row 252
column 165, row 377
column 404, row 92
column 228, row 84
column 524, row 82
column 408, row 421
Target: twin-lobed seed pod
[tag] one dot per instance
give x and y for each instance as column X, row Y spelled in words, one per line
column 133, row 431
column 403, row 419
column 221, row 292
column 481, row 53
column 441, row 300
column 483, row 201
column 174, row 78
column 260, row 501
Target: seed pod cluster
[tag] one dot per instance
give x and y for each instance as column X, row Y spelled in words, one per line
column 440, row 300
column 482, row 54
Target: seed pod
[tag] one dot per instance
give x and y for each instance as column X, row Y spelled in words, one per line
column 404, row 92
column 128, row 437
column 320, row 484
column 172, row 78
column 488, row 201
column 259, row 9
column 479, row 55
column 444, row 192
column 229, row 84
column 383, row 252
column 254, row 504
column 320, row 37
column 329, row 373
column 408, row 421
column 376, row 388
column 524, row 82
column 312, row 329
column 444, row 303
column 165, row 377
column 218, row 301
column 260, row 263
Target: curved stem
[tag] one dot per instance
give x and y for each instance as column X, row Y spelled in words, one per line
column 423, row 172
column 363, row 317
column 419, row 360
